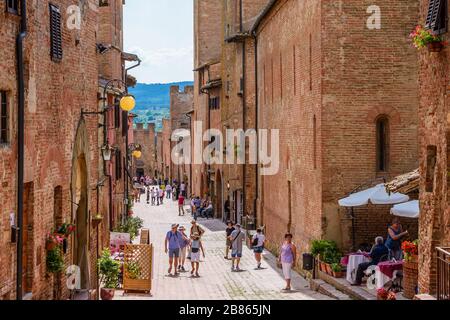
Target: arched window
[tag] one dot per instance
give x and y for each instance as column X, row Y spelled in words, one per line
column 382, row 127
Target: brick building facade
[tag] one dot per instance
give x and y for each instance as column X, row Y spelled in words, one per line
column 62, row 147
column 146, row 138
column 344, row 97
column 181, row 104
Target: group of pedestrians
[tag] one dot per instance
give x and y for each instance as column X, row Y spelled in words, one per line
column 181, row 247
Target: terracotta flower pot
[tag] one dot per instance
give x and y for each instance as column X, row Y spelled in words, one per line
column 107, row 294
column 328, row 269
column 338, row 275
column 435, row 46
column 50, row 245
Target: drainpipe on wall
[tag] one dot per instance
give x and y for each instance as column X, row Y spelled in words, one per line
column 20, row 144
column 257, row 131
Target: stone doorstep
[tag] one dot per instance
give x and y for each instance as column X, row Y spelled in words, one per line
column 346, row 288
column 328, row 290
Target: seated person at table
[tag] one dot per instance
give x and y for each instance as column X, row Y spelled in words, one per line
column 394, row 239
column 378, row 251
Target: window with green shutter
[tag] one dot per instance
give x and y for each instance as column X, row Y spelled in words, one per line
column 56, row 50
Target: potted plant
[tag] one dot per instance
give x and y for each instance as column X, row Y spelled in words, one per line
column 424, row 38
column 133, row 270
column 108, row 270
column 337, row 270
column 54, row 259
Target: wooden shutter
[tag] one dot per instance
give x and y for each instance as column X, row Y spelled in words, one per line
column 56, row 51
column 437, row 16
column 3, row 117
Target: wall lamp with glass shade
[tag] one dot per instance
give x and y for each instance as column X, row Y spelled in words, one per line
column 127, row 103
column 107, row 152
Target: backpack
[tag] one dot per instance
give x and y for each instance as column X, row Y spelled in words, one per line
column 255, row 241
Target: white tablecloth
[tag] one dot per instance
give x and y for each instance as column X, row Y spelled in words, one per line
column 381, row 278
column 353, row 262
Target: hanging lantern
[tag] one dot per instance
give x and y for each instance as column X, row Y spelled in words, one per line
column 127, row 103
column 137, row 154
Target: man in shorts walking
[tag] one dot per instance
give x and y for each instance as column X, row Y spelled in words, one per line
column 173, row 248
column 237, row 239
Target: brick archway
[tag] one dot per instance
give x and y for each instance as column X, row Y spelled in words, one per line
column 390, row 112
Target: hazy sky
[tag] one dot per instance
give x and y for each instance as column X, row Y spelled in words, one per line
column 161, row 33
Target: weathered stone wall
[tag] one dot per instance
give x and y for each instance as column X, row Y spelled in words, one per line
column 434, row 132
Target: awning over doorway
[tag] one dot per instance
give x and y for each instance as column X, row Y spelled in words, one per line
column 376, row 195
column 409, row 209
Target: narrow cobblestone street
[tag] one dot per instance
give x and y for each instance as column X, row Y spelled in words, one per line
column 217, row 282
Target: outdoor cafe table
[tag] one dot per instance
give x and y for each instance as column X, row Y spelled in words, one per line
column 354, row 260
column 385, row 272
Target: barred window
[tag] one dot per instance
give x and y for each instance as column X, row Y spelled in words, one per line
column 12, row 6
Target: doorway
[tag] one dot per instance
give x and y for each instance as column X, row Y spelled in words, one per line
column 219, row 196
column 82, row 217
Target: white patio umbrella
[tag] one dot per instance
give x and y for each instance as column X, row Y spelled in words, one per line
column 409, row 209
column 376, row 195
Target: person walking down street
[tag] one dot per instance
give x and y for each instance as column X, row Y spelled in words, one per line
column 196, row 246
column 258, row 243
column 184, row 244
column 287, row 259
column 237, row 238
column 196, row 229
column 148, row 195
column 169, row 191
column 172, row 247
column 174, row 192
column 229, row 230
column 161, row 196
column 153, row 193
column 183, row 189
column 181, row 205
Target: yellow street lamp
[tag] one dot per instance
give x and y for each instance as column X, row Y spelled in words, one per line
column 127, row 103
column 137, row 154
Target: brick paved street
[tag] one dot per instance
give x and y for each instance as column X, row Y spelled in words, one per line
column 217, row 282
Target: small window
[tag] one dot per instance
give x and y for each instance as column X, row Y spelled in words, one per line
column 56, row 51
column 214, row 103
column 431, row 168
column 382, row 144
column 4, row 125
column 437, row 17
column 12, row 6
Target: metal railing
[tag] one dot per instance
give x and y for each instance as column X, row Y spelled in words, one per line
column 443, row 273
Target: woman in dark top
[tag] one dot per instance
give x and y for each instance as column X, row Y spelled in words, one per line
column 229, row 230
column 394, row 239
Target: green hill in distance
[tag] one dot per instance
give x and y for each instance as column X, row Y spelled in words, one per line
column 153, row 101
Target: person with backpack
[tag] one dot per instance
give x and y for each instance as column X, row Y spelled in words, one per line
column 173, row 248
column 196, row 229
column 237, row 238
column 288, row 259
column 196, row 246
column 258, row 244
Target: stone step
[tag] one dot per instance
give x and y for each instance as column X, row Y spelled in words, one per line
column 328, row 290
